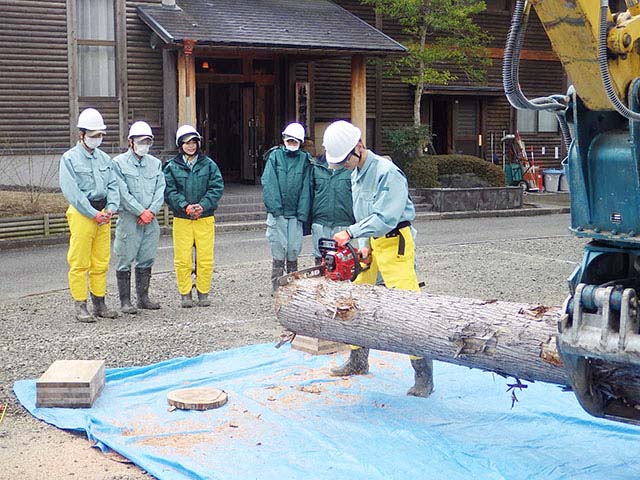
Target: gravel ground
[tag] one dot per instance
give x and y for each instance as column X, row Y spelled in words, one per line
column 37, row 330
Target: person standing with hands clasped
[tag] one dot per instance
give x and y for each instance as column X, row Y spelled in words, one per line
column 194, row 188
column 88, row 183
column 383, row 213
column 141, row 184
column 287, row 198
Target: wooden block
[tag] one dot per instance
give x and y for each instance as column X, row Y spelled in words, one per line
column 316, row 346
column 70, row 384
column 199, row 398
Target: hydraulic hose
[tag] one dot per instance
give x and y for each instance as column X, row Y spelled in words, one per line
column 511, row 74
column 603, row 62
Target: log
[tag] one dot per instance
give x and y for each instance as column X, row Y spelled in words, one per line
column 511, row 339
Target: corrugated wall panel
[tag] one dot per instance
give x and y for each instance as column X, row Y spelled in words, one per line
column 33, row 85
column 144, row 70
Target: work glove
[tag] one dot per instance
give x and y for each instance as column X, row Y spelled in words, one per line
column 102, row 218
column 364, row 252
column 194, row 210
column 145, row 217
column 342, row 238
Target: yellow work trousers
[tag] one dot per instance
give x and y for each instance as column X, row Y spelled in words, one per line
column 187, row 234
column 397, row 271
column 89, row 251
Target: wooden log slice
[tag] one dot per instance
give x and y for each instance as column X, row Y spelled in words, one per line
column 202, row 398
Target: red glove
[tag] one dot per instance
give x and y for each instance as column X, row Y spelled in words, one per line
column 145, row 217
column 342, row 238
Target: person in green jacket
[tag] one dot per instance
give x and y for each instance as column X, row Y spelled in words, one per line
column 194, row 188
column 287, row 198
column 331, row 202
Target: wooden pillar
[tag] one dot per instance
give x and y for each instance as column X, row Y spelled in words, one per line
column 122, row 76
column 359, row 93
column 170, row 97
column 187, row 85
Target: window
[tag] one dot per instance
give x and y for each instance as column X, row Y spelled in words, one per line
column 96, row 48
column 531, row 121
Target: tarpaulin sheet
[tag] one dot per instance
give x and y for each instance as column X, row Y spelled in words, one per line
column 287, row 418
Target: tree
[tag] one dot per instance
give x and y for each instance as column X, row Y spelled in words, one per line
column 443, row 39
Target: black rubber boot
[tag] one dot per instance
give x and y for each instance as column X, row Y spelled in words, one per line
column 185, row 301
column 423, row 368
column 292, row 266
column 203, row 300
column 358, row 364
column 277, row 270
column 124, row 292
column 143, row 279
column 81, row 312
column 100, row 308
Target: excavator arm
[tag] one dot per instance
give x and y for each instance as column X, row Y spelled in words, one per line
column 600, row 121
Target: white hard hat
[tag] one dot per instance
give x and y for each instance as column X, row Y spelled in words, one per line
column 183, row 131
column 294, row 130
column 339, row 139
column 140, row 129
column 90, row 119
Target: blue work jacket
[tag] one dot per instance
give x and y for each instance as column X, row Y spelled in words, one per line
column 141, row 183
column 88, row 176
column 380, row 198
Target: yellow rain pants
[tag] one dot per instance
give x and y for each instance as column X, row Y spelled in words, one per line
column 89, row 251
column 186, row 234
column 398, row 271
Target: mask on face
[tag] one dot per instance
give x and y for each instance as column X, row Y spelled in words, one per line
column 141, row 150
column 292, row 148
column 92, row 142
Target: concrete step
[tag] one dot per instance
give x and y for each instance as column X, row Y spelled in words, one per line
column 240, row 207
column 234, row 199
column 240, row 217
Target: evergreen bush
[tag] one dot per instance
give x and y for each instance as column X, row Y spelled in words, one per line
column 424, row 172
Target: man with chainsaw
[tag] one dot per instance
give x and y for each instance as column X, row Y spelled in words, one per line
column 383, row 212
column 331, row 204
column 141, row 183
column 194, row 188
column 88, row 183
column 287, row 198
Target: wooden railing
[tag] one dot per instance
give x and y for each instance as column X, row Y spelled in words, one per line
column 48, row 225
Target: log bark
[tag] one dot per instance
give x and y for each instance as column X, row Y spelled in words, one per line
column 511, row 339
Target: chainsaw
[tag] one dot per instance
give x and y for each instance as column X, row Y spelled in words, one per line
column 337, row 264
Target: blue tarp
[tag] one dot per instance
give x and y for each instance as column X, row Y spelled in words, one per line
column 287, row 419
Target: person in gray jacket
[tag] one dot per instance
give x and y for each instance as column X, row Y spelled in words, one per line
column 142, row 185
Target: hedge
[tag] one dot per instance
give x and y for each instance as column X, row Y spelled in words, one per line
column 425, row 171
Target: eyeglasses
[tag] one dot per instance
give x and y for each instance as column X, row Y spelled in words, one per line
column 291, row 140
column 143, row 141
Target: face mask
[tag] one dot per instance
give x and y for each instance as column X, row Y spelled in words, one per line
column 292, row 148
column 141, row 150
column 92, row 142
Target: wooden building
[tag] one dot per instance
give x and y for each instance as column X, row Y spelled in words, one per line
column 240, row 71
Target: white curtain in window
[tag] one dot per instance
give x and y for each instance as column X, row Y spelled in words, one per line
column 96, row 71
column 547, row 122
column 526, row 121
column 96, row 63
column 96, row 20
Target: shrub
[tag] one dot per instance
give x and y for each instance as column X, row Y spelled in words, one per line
column 407, row 142
column 425, row 171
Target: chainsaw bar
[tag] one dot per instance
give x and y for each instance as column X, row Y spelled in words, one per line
column 310, row 272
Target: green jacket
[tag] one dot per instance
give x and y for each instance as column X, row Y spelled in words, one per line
column 331, row 200
column 285, row 184
column 185, row 186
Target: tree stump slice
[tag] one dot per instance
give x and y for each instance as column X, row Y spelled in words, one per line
column 201, row 398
